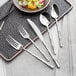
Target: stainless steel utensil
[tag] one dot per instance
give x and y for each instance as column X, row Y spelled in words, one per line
column 2, row 25
column 45, row 22
column 26, row 35
column 18, row 46
column 37, row 31
column 54, row 14
column 6, row 16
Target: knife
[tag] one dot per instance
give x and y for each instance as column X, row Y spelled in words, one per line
column 37, row 31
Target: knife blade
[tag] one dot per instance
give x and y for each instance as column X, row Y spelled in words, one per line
column 37, row 31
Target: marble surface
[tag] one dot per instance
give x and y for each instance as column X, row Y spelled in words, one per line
column 26, row 65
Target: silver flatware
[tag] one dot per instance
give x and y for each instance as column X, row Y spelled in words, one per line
column 37, row 31
column 6, row 16
column 2, row 25
column 54, row 14
column 26, row 35
column 18, row 46
column 46, row 22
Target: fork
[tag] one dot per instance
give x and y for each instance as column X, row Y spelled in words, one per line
column 18, row 46
column 26, row 35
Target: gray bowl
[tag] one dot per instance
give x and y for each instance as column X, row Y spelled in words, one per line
column 30, row 11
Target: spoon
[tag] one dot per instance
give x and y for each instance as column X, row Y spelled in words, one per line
column 46, row 22
column 55, row 14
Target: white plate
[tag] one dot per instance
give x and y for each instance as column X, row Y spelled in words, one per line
column 30, row 11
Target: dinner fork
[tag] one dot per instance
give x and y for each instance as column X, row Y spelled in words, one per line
column 26, row 35
column 18, row 46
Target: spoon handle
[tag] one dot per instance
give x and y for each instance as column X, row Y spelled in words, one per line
column 51, row 40
column 39, row 50
column 59, row 35
column 43, row 61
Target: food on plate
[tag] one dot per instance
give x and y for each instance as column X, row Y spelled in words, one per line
column 31, row 4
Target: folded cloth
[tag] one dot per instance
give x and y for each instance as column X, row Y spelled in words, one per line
column 5, row 9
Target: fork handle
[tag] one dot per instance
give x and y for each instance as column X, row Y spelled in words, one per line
column 49, row 65
column 39, row 50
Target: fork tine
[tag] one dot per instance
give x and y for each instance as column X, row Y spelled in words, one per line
column 13, row 42
column 23, row 32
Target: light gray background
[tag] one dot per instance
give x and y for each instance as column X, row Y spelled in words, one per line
column 26, row 65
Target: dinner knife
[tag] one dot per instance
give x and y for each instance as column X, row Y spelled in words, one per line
column 37, row 31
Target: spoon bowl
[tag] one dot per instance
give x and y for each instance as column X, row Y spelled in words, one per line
column 54, row 11
column 44, row 20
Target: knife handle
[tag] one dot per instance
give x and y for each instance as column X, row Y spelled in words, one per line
column 56, row 62
column 52, row 56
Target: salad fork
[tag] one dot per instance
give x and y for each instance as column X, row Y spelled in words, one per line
column 26, row 35
column 18, row 46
